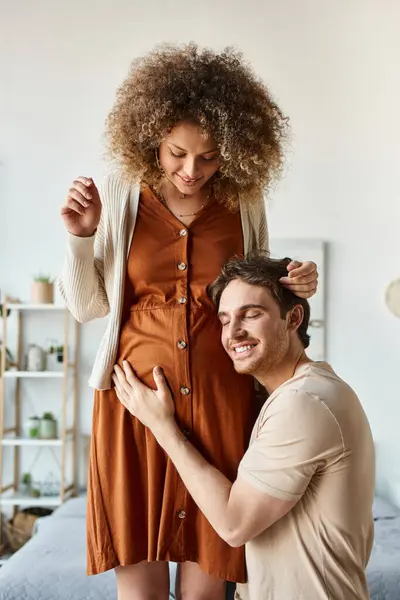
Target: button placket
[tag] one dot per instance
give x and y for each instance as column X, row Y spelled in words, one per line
column 184, row 405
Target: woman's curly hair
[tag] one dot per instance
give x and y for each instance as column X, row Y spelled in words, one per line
column 222, row 95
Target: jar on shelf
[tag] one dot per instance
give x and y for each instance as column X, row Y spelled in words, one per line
column 42, row 290
column 52, row 362
column 31, row 427
column 35, row 358
column 50, row 486
column 26, row 484
column 48, row 427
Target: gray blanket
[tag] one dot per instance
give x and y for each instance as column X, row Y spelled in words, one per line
column 51, row 566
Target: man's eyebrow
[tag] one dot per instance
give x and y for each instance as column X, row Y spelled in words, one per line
column 247, row 306
column 242, row 309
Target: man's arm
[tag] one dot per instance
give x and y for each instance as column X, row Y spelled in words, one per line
column 238, row 512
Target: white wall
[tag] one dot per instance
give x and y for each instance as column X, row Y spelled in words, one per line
column 333, row 67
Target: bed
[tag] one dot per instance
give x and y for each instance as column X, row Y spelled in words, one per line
column 383, row 571
column 51, row 566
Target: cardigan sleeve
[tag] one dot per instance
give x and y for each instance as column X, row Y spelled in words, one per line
column 263, row 237
column 82, row 279
column 258, row 227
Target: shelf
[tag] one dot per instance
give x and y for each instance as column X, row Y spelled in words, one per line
column 30, row 442
column 35, row 307
column 34, row 374
column 15, row 384
column 21, row 500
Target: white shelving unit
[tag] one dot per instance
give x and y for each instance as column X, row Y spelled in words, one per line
column 30, row 442
column 34, row 374
column 11, row 437
column 35, row 307
column 21, row 500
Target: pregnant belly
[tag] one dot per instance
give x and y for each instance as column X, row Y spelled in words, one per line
column 219, row 404
column 187, row 348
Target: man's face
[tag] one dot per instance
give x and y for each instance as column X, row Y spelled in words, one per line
column 253, row 332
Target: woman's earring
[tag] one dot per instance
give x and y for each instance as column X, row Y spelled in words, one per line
column 158, row 162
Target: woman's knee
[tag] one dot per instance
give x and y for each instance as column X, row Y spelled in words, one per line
column 143, row 581
column 194, row 584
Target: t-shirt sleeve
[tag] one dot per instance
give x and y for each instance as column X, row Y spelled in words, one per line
column 297, row 436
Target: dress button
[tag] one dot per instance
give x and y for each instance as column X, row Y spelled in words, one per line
column 182, row 514
column 183, row 232
column 182, row 300
column 181, row 345
column 182, row 266
column 184, row 390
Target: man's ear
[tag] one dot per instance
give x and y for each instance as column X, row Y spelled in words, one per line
column 295, row 317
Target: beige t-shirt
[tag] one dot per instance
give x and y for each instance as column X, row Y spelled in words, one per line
column 312, row 442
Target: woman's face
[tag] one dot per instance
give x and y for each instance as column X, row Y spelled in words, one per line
column 188, row 158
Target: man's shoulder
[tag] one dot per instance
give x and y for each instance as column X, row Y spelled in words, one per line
column 318, row 381
column 316, row 401
column 315, row 390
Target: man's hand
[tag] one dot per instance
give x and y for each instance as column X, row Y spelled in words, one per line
column 154, row 408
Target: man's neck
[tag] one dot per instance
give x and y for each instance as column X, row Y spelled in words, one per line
column 285, row 370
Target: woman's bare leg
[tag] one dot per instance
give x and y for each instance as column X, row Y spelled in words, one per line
column 193, row 584
column 143, row 581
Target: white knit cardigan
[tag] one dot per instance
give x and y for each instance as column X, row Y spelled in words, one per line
column 92, row 280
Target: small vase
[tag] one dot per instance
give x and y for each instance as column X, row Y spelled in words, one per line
column 32, row 428
column 42, row 292
column 35, row 360
column 47, row 429
column 25, row 489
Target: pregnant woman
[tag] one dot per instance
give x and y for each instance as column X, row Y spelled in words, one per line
column 196, row 139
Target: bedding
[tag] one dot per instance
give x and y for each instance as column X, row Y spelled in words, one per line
column 51, row 566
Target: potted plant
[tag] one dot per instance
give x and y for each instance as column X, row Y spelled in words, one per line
column 1, row 311
column 9, row 358
column 42, row 290
column 32, row 427
column 26, row 483
column 60, row 354
column 48, row 426
column 52, row 363
column 35, row 492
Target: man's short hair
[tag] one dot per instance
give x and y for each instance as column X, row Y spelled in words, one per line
column 261, row 270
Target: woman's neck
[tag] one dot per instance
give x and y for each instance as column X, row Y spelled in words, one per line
column 172, row 194
column 181, row 205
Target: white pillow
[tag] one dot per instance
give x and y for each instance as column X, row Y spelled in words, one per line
column 383, row 509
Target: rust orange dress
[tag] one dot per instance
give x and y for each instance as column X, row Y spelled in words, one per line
column 138, row 507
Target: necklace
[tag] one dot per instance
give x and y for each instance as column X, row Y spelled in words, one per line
column 180, row 215
column 297, row 363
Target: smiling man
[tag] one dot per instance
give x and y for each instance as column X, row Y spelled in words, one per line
column 302, row 500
